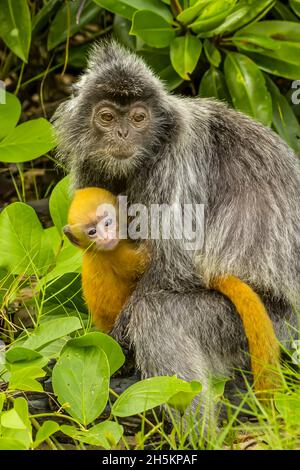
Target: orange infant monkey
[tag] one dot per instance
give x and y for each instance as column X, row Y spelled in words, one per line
column 111, row 268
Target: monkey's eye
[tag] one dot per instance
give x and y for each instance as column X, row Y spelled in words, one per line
column 139, row 117
column 106, row 116
column 108, row 222
column 92, row 232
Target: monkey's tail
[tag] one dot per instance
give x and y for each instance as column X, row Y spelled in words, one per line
column 263, row 344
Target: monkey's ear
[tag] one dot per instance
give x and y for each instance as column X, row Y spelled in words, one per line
column 68, row 232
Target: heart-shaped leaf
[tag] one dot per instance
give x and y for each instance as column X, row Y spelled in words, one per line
column 81, row 380
column 149, row 393
column 27, row 141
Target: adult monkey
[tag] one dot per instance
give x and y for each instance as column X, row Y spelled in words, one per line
column 123, row 131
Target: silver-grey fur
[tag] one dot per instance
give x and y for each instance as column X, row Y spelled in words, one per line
column 199, row 151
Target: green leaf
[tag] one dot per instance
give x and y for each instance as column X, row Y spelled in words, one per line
column 25, row 379
column 47, row 429
column 284, row 120
column 22, row 238
column 15, row 26
column 7, row 443
column 273, row 45
column 58, row 31
column 149, row 393
column 185, row 52
column 229, row 23
column 19, row 353
column 27, row 141
column 111, row 348
column 283, row 12
column 182, row 399
column 213, row 85
column 152, row 28
column 171, row 78
column 212, row 15
column 295, row 5
column 16, row 424
column 188, row 15
column 127, row 8
column 60, row 201
column 69, row 260
column 81, row 380
column 212, row 53
column 256, row 9
column 247, row 87
column 122, row 28
column 44, row 15
column 10, row 113
column 50, row 331
column 106, row 434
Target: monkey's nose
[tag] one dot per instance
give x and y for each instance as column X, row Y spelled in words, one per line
column 123, row 133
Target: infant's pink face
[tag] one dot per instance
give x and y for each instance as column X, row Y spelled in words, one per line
column 106, row 228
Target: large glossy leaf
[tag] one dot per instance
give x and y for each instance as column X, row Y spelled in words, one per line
column 273, row 45
column 212, row 15
column 212, row 53
column 295, row 5
column 284, row 120
column 10, row 112
column 185, row 52
column 149, row 393
column 127, row 8
column 188, row 15
column 213, row 85
column 22, row 249
column 59, row 204
column 247, row 87
column 15, row 26
column 229, row 23
column 80, row 381
column 58, row 31
column 27, row 141
column 50, row 331
column 256, row 8
column 152, row 28
column 106, row 434
column 111, row 348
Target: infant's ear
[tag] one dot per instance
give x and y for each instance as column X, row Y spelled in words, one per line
column 68, row 232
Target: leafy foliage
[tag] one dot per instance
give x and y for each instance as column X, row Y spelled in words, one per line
column 244, row 52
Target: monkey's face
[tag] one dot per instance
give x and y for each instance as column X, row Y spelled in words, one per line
column 120, row 130
column 100, row 234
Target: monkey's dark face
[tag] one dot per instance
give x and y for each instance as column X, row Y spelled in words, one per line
column 120, row 130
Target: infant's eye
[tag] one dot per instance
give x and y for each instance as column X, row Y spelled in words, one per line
column 108, row 222
column 106, row 116
column 92, row 232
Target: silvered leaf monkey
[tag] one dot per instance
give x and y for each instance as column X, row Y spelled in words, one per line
column 122, row 130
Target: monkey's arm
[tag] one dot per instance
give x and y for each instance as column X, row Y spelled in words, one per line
column 262, row 342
